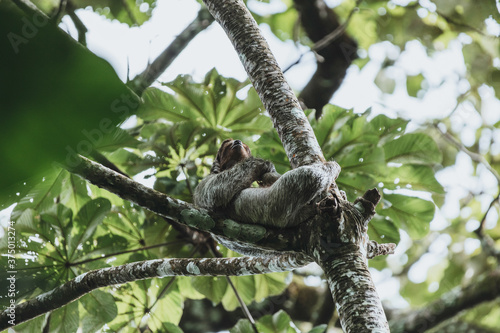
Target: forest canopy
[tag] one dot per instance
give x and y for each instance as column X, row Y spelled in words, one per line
column 429, row 142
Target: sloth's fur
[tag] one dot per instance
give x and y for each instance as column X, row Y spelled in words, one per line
column 290, row 200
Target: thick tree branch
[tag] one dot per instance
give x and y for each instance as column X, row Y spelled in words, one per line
column 158, row 66
column 247, row 239
column 292, row 126
column 159, row 268
column 343, row 258
column 485, row 289
column 351, row 295
column 336, row 238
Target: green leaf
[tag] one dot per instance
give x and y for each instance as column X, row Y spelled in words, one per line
column 416, row 148
column 279, row 322
column 115, row 139
column 168, row 309
column 101, row 305
column 409, row 213
column 86, row 221
column 319, row 329
column 331, row 121
column 383, row 230
column 362, row 158
column 41, row 195
column 245, row 285
column 242, row 326
column 56, row 221
column 65, row 319
column 127, row 11
column 388, row 128
column 416, row 177
column 213, row 288
column 212, row 104
column 186, row 288
column 269, row 147
column 72, row 91
column 269, row 284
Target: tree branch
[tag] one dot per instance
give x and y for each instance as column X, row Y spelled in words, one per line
column 482, row 290
column 250, row 239
column 336, row 237
column 158, row 66
column 159, row 268
column 79, row 25
column 474, row 156
column 353, row 296
column 292, row 126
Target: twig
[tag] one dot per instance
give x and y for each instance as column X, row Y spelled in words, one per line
column 485, row 288
column 327, row 40
column 486, row 241
column 60, row 11
column 331, row 37
column 242, row 304
column 461, row 24
column 80, row 27
column 474, row 156
column 244, row 307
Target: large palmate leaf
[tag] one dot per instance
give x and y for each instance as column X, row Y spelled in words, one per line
column 413, row 148
column 409, row 213
column 378, row 153
column 212, row 104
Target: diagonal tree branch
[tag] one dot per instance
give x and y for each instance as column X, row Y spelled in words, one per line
column 249, row 239
column 336, row 238
column 292, row 126
column 158, row 66
column 474, row 156
column 159, row 268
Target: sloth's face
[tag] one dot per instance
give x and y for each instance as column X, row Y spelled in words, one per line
column 232, row 152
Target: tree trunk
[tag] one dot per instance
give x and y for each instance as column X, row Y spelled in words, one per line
column 336, row 239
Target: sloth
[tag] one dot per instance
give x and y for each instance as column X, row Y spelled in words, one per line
column 280, row 201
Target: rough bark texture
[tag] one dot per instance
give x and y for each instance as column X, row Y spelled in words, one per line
column 158, row 66
column 249, row 239
column 89, row 281
column 332, row 230
column 318, row 21
column 487, row 288
column 353, row 292
column 339, row 245
column 293, row 128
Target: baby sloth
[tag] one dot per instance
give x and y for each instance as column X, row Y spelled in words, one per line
column 280, row 201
